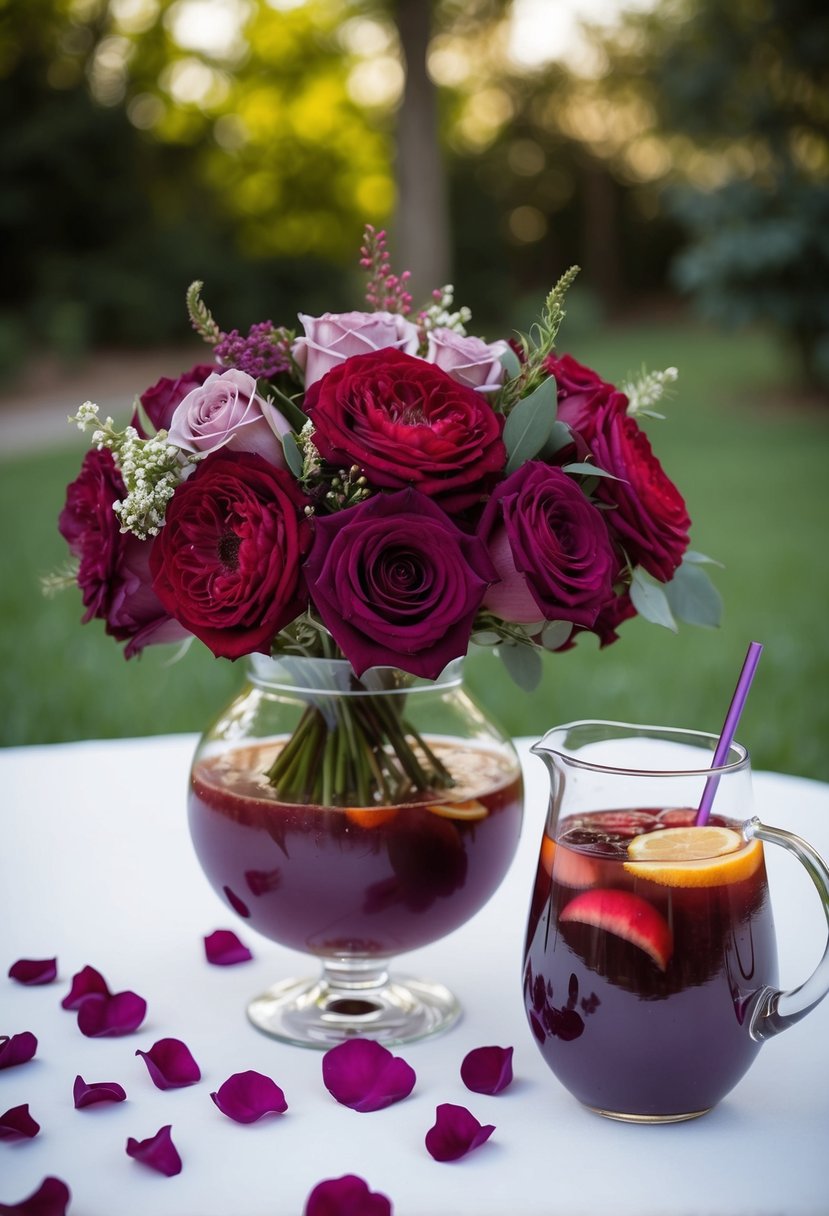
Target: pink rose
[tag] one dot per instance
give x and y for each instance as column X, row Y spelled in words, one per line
column 160, row 400
column 336, row 336
column 470, row 361
column 226, row 411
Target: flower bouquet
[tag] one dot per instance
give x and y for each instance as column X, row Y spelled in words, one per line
column 387, row 489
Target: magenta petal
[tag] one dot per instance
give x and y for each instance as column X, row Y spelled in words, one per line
column 34, row 970
column 18, row 1049
column 247, row 1096
column 364, row 1075
column 97, row 1091
column 18, row 1124
column 455, row 1133
column 50, row 1199
column 487, row 1070
column 346, row 1196
column 223, row 948
column 87, row 982
column 107, row 1016
column 170, row 1064
column 158, row 1152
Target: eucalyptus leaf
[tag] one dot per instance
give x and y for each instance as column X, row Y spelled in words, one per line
column 144, row 421
column 529, row 424
column 650, row 601
column 561, row 436
column 511, row 363
column 293, row 456
column 288, row 409
column 523, row 664
column 555, row 634
column 693, row 597
column 700, row 559
column 589, row 470
column 486, row 637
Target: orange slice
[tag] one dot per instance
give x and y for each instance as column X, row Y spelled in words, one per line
column 566, row 866
column 369, row 816
column 693, row 856
column 470, row 809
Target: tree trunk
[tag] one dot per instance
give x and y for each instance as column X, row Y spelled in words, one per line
column 422, row 230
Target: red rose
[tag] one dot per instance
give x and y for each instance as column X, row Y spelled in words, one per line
column 227, row 561
column 405, row 422
column 650, row 520
column 581, row 394
column 160, row 400
column 114, row 573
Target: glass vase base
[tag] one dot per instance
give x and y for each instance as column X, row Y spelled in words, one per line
column 314, row 1012
column 623, row 1118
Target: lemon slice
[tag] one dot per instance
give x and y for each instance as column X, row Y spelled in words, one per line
column 693, row 857
column 470, row 809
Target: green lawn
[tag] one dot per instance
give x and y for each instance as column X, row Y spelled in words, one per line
column 752, row 463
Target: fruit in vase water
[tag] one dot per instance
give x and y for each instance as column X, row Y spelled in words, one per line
column 627, row 916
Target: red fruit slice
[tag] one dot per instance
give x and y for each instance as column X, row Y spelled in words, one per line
column 627, row 916
column 623, row 823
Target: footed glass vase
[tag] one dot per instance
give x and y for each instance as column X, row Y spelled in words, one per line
column 354, row 820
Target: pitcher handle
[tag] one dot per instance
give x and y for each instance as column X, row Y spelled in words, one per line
column 776, row 1010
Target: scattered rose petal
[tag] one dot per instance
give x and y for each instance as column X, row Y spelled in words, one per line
column 18, row 1124
column 50, row 1199
column 223, row 948
column 170, row 1064
column 107, row 1016
column 34, row 970
column 455, row 1133
column 96, row 1092
column 158, row 1152
column 247, row 1096
column 346, row 1196
column 487, row 1070
column 86, row 982
column 18, row 1049
column 364, row 1075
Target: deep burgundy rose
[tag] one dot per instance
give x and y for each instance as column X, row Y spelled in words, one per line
column 114, row 573
column 160, row 400
column 227, row 560
column 649, row 519
column 406, row 422
column 581, row 394
column 397, row 583
column 550, row 546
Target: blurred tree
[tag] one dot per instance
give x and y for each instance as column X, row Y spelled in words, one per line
column 739, row 94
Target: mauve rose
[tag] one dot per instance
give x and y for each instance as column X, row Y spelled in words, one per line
column 649, row 518
column 160, row 400
column 470, row 361
column 405, row 422
column 336, row 336
column 227, row 412
column 227, row 560
column 397, row 583
column 550, row 546
column 114, row 574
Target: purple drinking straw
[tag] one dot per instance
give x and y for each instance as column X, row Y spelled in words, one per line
column 729, row 729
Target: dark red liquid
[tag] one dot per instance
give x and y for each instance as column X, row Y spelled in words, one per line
column 327, row 880
column 625, row 1032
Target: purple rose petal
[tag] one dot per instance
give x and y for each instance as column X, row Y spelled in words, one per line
column 455, row 1133
column 170, row 1064
column 158, row 1152
column 96, row 1092
column 33, row 971
column 247, row 1096
column 346, row 1196
column 487, row 1070
column 107, row 1016
column 18, row 1124
column 364, row 1075
column 18, row 1049
column 50, row 1199
column 223, row 948
column 86, row 982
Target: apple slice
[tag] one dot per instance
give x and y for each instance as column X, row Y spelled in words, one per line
column 627, row 916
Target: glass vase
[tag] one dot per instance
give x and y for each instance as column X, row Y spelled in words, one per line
column 354, row 820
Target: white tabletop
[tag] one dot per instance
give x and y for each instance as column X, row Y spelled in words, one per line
column 96, row 867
